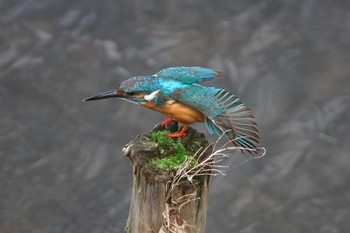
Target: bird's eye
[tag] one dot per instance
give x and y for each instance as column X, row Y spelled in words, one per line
column 131, row 93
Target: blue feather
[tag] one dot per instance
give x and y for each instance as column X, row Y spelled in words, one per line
column 188, row 74
column 212, row 128
column 225, row 113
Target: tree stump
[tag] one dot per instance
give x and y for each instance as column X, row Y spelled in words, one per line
column 168, row 196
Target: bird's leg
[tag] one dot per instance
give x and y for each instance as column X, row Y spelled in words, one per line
column 179, row 134
column 166, row 122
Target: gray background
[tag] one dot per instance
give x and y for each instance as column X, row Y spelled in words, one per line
column 61, row 166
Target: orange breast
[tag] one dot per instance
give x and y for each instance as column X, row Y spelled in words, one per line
column 177, row 111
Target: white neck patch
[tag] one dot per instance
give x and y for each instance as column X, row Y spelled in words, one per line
column 151, row 96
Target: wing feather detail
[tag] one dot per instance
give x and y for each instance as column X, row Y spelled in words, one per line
column 225, row 114
column 236, row 120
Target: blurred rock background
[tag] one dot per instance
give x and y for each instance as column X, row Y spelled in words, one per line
column 62, row 169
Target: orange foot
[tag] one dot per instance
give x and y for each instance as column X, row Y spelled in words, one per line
column 179, row 134
column 166, row 122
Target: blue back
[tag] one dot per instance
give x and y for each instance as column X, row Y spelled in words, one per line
column 189, row 75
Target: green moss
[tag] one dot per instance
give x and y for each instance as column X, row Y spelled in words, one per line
column 176, row 154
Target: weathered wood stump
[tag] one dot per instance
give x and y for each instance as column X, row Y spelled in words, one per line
column 167, row 198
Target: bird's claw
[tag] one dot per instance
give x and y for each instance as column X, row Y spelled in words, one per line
column 179, row 134
column 166, row 122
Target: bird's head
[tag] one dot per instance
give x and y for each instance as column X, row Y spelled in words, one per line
column 136, row 89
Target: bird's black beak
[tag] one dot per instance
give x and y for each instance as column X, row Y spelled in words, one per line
column 108, row 94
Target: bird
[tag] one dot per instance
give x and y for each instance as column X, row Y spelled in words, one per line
column 176, row 93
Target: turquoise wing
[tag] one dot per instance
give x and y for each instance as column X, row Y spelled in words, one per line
column 189, row 75
column 225, row 114
column 236, row 121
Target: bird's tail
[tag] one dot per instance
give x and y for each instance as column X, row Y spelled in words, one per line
column 236, row 121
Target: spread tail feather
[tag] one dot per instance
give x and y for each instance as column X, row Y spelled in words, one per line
column 212, row 128
column 236, row 121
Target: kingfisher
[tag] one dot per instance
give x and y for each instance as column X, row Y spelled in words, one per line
column 175, row 93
